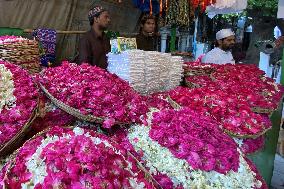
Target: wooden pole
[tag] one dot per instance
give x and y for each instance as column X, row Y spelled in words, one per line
column 79, row 32
column 58, row 31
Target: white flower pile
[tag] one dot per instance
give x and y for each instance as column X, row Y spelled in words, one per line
column 147, row 71
column 160, row 159
column 7, row 98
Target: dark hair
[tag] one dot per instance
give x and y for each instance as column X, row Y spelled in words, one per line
column 144, row 20
column 147, row 17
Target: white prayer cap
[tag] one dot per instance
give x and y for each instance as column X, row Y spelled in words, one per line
column 224, row 33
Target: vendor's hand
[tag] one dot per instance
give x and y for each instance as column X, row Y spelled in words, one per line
column 279, row 42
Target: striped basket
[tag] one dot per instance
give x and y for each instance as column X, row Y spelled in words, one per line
column 24, row 53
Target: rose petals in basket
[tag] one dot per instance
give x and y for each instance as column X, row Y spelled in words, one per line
column 73, row 158
column 199, row 81
column 245, row 82
column 18, row 101
column 160, row 156
column 49, row 116
column 234, row 115
column 197, row 68
column 93, row 92
column 250, row 145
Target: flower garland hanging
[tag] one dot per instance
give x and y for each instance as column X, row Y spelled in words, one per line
column 178, row 13
column 18, row 100
column 47, row 39
column 73, row 158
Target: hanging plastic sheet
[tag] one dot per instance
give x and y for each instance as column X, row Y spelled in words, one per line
column 226, row 7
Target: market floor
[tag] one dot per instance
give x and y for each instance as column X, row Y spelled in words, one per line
column 278, row 173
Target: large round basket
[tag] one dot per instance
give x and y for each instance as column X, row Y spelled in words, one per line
column 17, row 140
column 246, row 136
column 175, row 105
column 148, row 176
column 74, row 112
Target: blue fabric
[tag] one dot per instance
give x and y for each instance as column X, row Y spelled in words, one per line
column 47, row 40
column 145, row 7
column 47, row 59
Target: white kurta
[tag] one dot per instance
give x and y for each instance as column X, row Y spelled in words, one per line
column 218, row 56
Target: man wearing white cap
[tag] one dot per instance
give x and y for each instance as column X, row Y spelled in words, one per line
column 221, row 54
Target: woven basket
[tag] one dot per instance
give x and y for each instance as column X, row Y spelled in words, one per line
column 148, row 176
column 194, row 72
column 246, row 136
column 266, row 110
column 72, row 111
column 198, row 71
column 10, row 146
column 23, row 53
column 262, row 110
column 191, row 85
column 75, row 112
column 177, row 106
column 173, row 103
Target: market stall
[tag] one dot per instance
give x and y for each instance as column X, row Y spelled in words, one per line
column 236, row 118
column 150, row 120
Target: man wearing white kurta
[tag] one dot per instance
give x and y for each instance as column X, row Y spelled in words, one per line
column 221, row 54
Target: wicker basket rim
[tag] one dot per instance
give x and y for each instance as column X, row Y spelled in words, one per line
column 177, row 106
column 70, row 110
column 75, row 112
column 23, row 129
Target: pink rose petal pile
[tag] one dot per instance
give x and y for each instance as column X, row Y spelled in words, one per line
column 195, row 138
column 234, row 115
column 93, row 91
column 199, row 81
column 73, row 160
column 250, row 146
column 245, row 82
column 14, row 118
